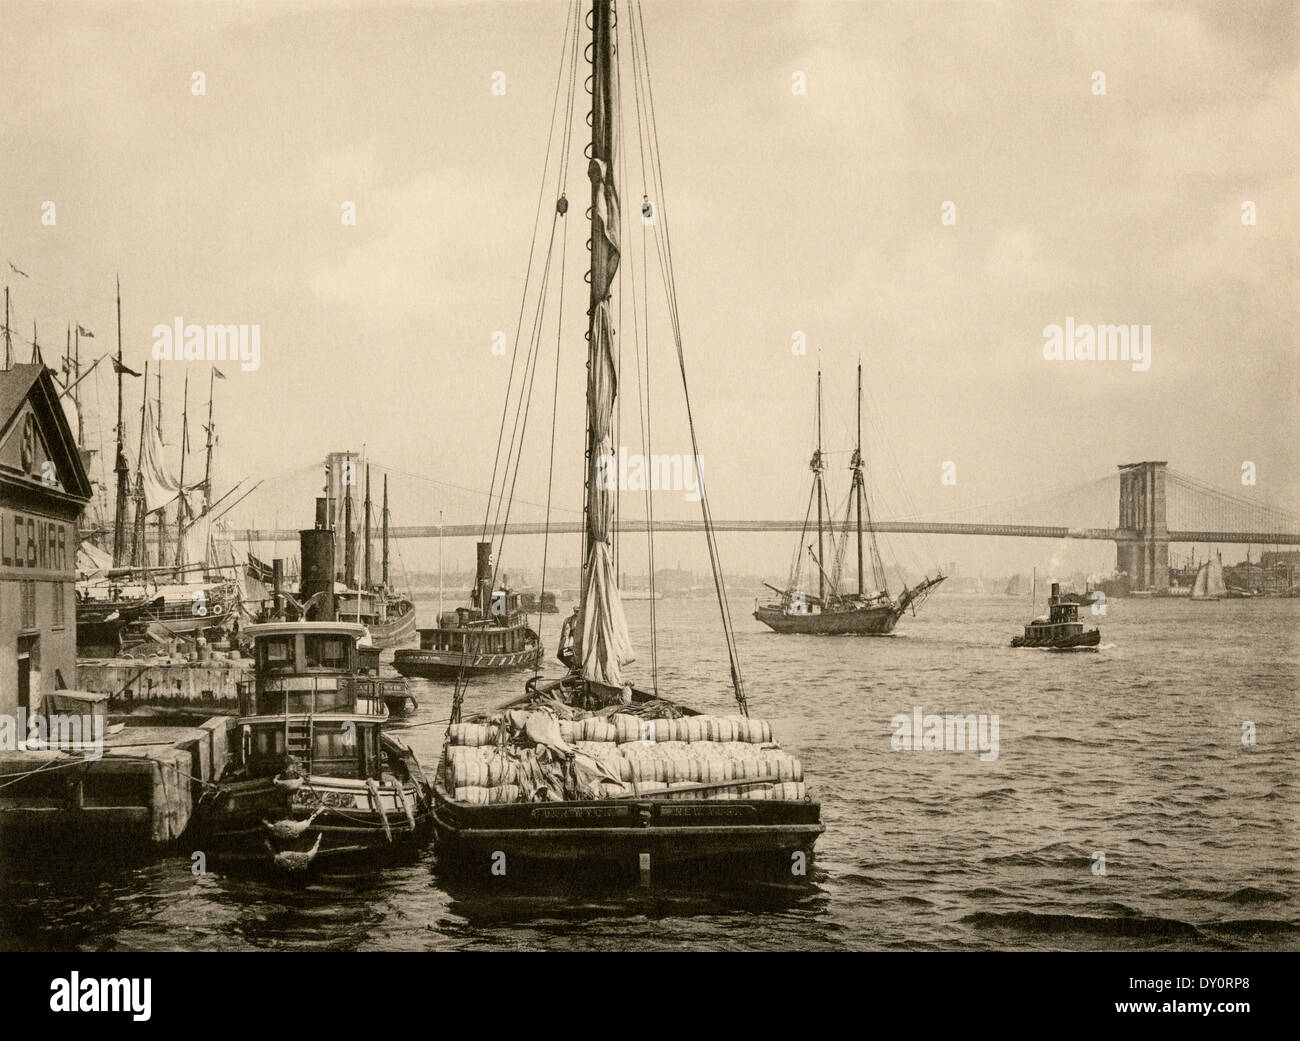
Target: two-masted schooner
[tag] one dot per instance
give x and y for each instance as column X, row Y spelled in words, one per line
column 832, row 611
column 594, row 772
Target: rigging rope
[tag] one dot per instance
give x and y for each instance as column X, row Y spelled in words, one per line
column 541, row 192
column 664, row 254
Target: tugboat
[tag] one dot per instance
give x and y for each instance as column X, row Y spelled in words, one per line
column 831, row 612
column 592, row 775
column 473, row 640
column 311, row 774
column 1061, row 630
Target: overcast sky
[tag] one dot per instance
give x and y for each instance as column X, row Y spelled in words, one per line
column 817, row 213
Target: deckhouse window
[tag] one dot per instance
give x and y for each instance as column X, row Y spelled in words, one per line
column 327, row 652
column 277, row 653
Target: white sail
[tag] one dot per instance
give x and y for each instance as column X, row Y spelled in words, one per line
column 160, row 482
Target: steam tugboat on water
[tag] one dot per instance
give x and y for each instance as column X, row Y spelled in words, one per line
column 1061, row 630
column 312, row 775
column 475, row 640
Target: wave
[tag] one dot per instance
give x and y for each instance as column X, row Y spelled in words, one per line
column 1066, row 924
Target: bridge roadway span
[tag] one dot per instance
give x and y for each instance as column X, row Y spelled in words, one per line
column 1029, row 531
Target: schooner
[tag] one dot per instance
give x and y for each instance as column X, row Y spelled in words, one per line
column 870, row 611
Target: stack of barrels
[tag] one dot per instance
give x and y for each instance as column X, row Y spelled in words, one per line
column 647, row 755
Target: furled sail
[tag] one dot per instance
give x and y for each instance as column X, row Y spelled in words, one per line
column 604, row 644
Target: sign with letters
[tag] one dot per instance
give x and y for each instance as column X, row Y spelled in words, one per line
column 33, row 546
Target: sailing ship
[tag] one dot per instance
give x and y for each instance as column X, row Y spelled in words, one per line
column 312, row 775
column 592, row 772
column 1209, row 584
column 1061, row 630
column 491, row 635
column 137, row 590
column 831, row 612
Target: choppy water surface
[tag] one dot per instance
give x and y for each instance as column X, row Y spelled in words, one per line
column 1135, row 751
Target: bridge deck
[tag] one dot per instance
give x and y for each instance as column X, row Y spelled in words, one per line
column 1030, row 531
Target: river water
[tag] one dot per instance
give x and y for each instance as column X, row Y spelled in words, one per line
column 1133, row 759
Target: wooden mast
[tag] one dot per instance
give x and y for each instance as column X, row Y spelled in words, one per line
column 857, row 480
column 162, row 510
column 817, row 491
column 349, row 540
column 385, row 524
column 76, row 397
column 207, row 466
column 139, row 557
column 365, row 552
column 119, row 514
column 180, row 502
column 9, row 345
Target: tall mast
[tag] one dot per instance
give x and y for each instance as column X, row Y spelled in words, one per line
column 817, row 491
column 138, row 556
column 119, row 515
column 385, row 523
column 349, row 537
column 76, row 387
column 602, row 646
column 162, row 510
column 185, row 444
column 207, row 466
column 9, row 345
column 859, row 492
column 365, row 553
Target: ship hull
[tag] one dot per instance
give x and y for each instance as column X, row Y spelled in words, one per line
column 394, row 631
column 869, row 621
column 626, row 839
column 1072, row 642
column 449, row 664
column 232, row 825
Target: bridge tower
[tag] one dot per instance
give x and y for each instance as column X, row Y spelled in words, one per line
column 1142, row 548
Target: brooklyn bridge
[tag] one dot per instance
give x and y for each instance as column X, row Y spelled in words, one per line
column 1157, row 506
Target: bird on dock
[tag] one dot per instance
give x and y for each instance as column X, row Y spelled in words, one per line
column 286, row 830
column 293, row 860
